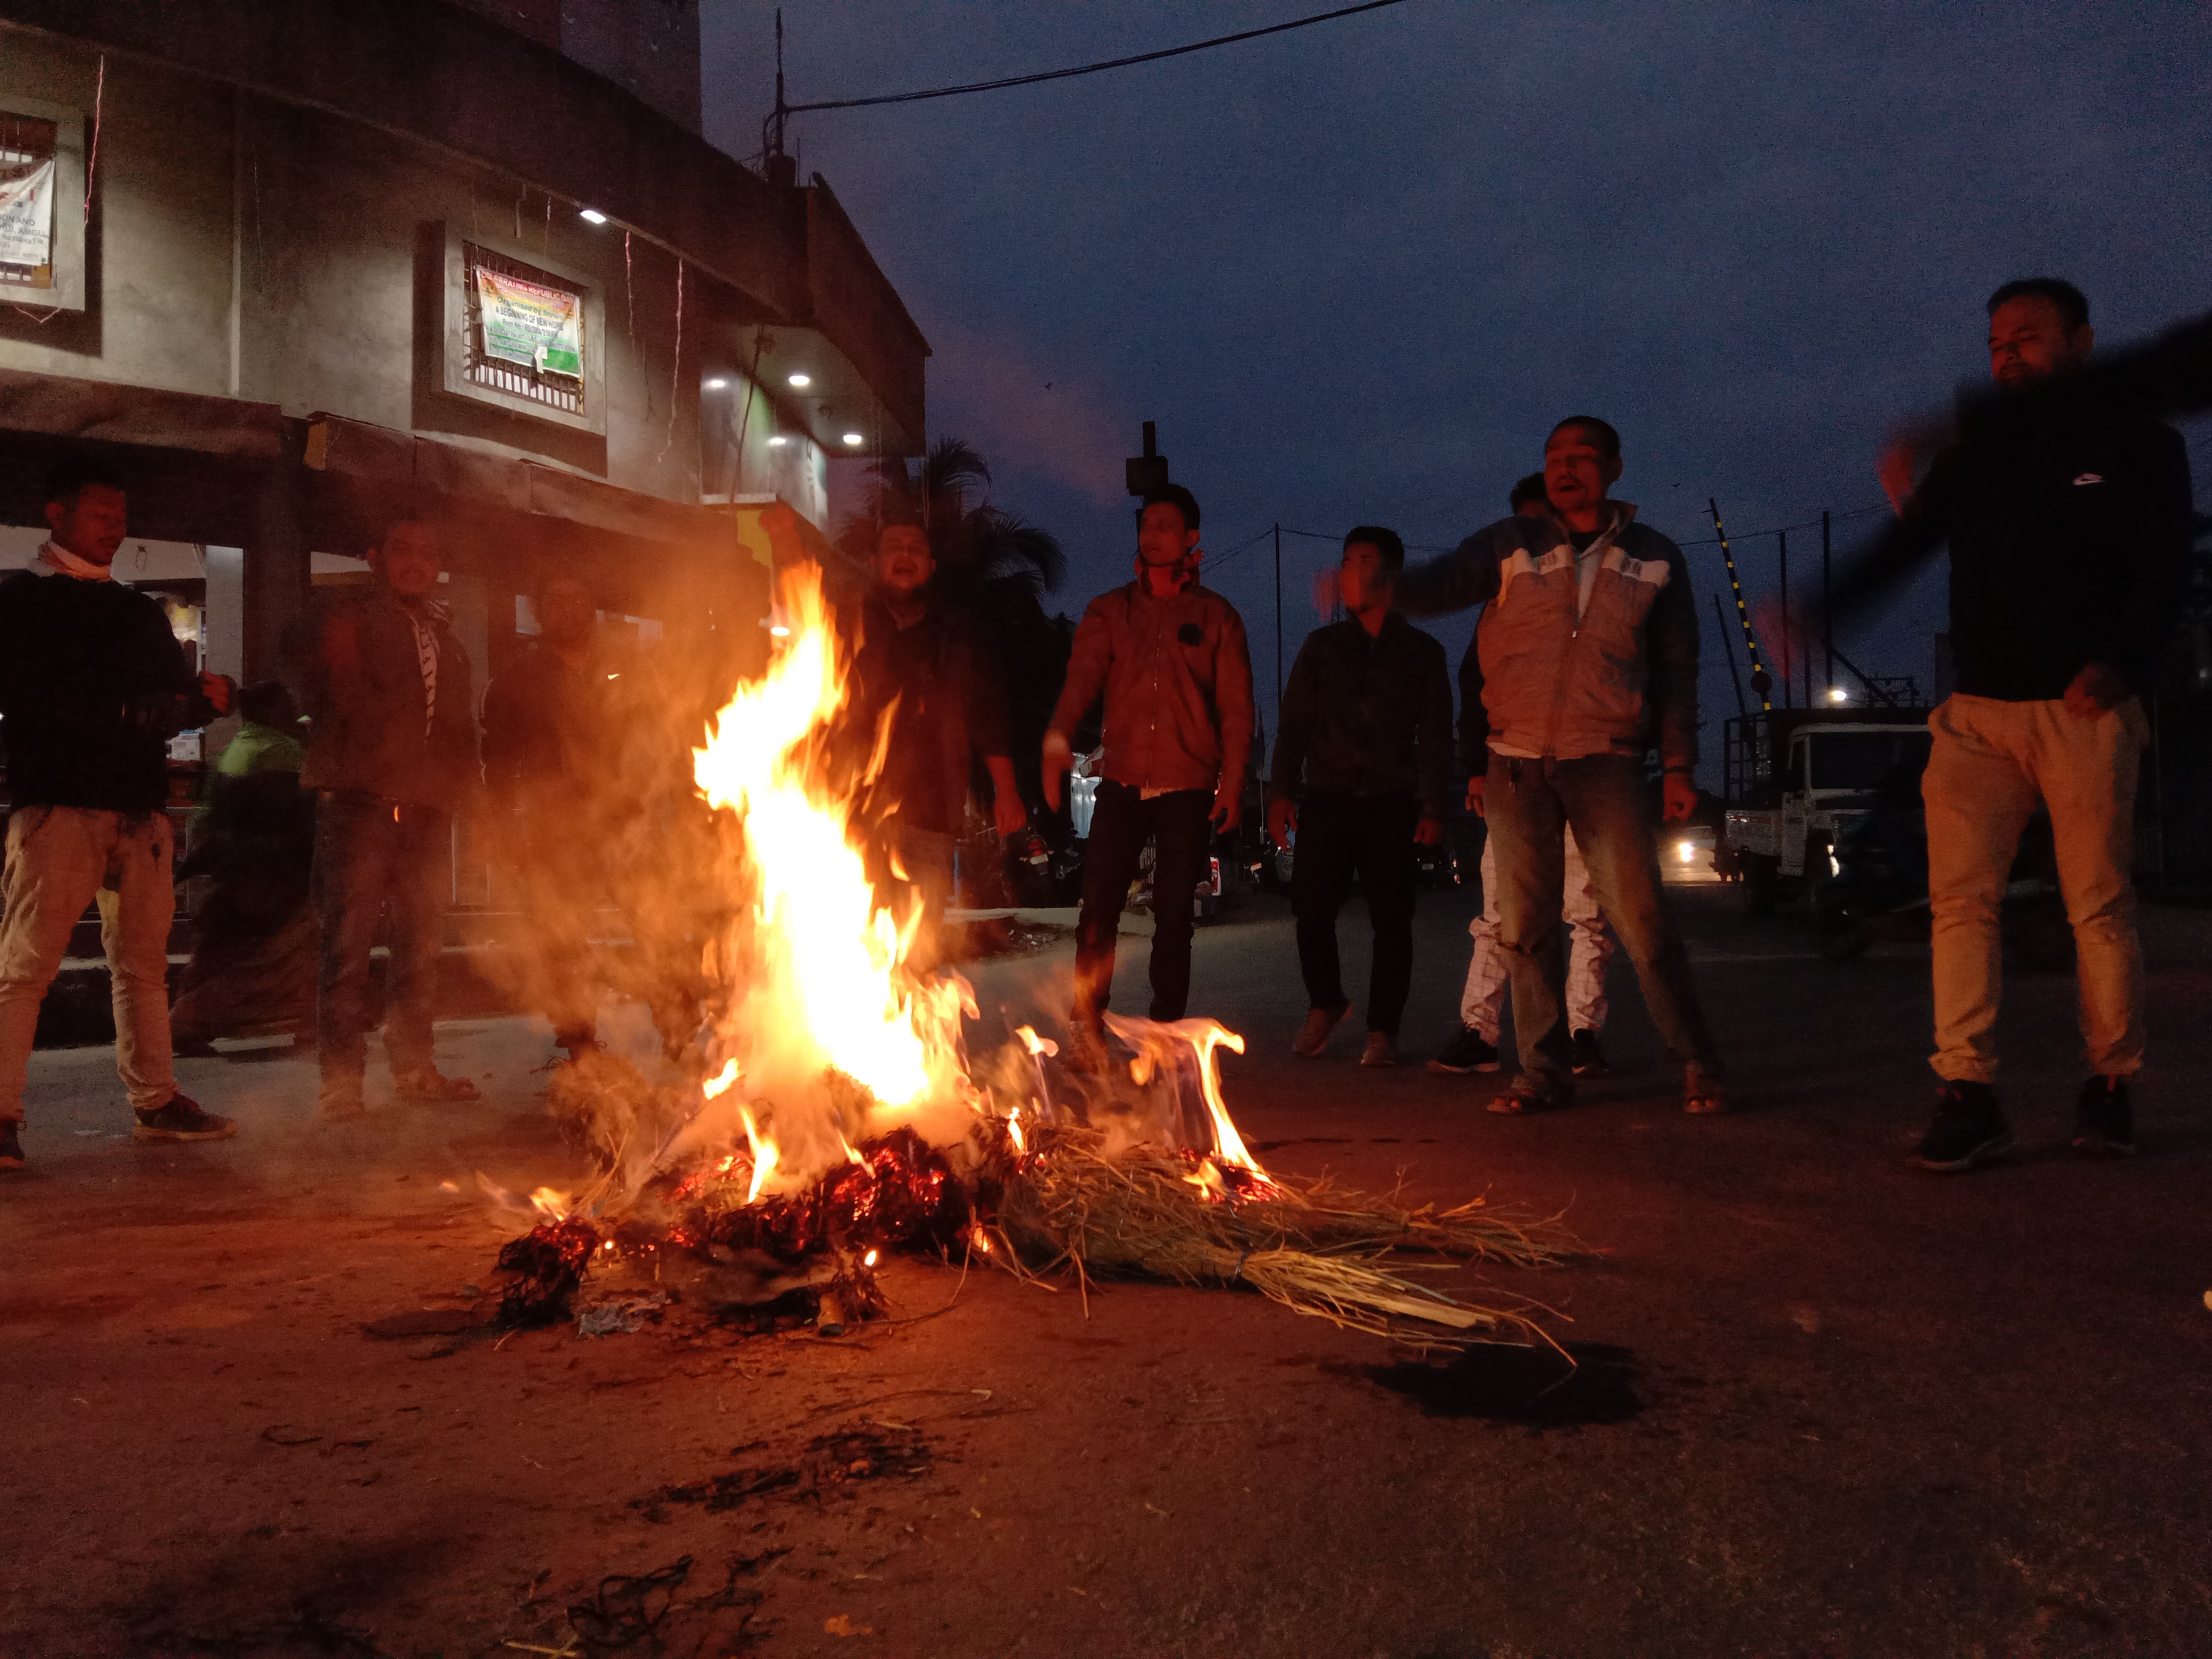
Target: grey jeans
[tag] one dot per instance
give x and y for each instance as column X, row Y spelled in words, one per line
column 1604, row 799
column 378, row 862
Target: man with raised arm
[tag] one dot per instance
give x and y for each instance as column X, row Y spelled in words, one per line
column 2067, row 511
column 1588, row 643
column 1170, row 658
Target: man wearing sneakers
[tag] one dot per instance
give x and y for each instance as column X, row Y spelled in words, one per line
column 2068, row 518
column 1362, row 764
column 93, row 685
column 394, row 749
column 1590, row 946
column 1589, row 651
column 1168, row 656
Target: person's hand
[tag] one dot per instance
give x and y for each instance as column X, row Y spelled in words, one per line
column 1678, row 795
column 217, row 688
column 2097, row 689
column 1009, row 814
column 1058, row 757
column 1895, row 469
column 1474, row 784
column 1428, row 832
column 1282, row 820
column 1227, row 809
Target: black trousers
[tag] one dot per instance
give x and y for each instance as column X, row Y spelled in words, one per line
column 1122, row 823
column 1338, row 835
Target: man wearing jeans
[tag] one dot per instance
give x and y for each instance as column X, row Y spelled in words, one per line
column 1589, row 947
column 1363, row 759
column 2068, row 518
column 393, row 751
column 91, row 687
column 1589, row 651
column 1170, row 659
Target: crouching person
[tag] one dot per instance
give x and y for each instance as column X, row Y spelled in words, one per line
column 393, row 751
column 91, row 687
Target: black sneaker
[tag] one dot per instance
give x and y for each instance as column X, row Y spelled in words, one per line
column 1589, row 1058
column 2104, row 1120
column 180, row 1118
column 1967, row 1129
column 11, row 1144
column 1466, row 1052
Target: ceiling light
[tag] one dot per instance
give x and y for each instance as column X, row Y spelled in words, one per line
column 802, row 381
column 853, row 440
column 779, row 631
column 1837, row 694
column 778, row 442
column 592, row 216
column 716, row 384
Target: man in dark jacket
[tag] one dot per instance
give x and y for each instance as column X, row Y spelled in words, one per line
column 93, row 685
column 1362, row 763
column 2068, row 514
column 394, row 752
column 1588, row 642
column 1170, row 658
column 552, row 727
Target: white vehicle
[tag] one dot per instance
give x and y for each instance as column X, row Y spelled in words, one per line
column 1796, row 777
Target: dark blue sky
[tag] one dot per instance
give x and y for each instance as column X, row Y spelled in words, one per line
column 1356, row 271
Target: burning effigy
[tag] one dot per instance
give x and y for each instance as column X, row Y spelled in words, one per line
column 830, row 1111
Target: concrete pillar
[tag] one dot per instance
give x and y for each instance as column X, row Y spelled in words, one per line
column 276, row 578
column 225, row 615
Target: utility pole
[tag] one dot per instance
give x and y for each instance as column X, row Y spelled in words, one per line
column 1781, row 537
column 1279, row 624
column 1761, row 681
column 1729, row 646
column 1827, row 626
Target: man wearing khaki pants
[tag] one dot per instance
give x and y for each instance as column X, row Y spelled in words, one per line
column 2068, row 519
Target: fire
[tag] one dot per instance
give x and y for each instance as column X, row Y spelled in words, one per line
column 718, row 1085
column 765, row 1156
column 1161, row 1044
column 824, row 990
column 550, row 1203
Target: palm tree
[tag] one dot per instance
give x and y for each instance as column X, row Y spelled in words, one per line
column 992, row 564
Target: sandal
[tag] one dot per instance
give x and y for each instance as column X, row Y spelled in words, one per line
column 1703, row 1095
column 427, row 1086
column 1525, row 1095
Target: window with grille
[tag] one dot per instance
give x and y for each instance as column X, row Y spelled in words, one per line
column 29, row 189
column 518, row 341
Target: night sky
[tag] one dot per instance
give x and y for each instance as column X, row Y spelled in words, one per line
column 1356, row 271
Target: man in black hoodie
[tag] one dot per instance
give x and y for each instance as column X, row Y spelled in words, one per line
column 2068, row 518
column 93, row 685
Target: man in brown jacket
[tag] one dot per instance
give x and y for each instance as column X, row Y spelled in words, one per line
column 394, row 750
column 1171, row 660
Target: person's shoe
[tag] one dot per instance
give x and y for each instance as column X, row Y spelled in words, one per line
column 2104, row 1120
column 339, row 1100
column 1313, row 1036
column 1466, row 1052
column 1525, row 1095
column 11, row 1144
column 1084, row 1050
column 426, row 1085
column 1381, row 1049
column 1589, row 1058
column 1703, row 1095
column 180, row 1118
column 1967, row 1129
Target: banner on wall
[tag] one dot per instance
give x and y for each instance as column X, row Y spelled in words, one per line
column 26, row 214
column 527, row 323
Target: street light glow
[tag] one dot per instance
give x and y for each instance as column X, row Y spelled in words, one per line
column 592, row 216
column 716, row 384
column 778, row 442
column 802, row 381
column 853, row 440
column 1837, row 694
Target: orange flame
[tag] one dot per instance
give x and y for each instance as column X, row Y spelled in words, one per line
column 765, row 1155
column 719, row 1084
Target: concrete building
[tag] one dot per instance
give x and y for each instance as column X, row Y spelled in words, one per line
column 307, row 260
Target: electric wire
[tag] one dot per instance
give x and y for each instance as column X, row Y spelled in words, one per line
column 1081, row 69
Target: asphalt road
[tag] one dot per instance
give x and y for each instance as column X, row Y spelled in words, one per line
column 1825, row 1404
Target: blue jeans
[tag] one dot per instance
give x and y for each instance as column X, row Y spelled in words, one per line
column 1528, row 803
column 376, row 859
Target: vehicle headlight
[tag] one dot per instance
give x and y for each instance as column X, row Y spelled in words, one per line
column 1685, row 850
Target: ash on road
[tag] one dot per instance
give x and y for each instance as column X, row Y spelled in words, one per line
column 1825, row 1403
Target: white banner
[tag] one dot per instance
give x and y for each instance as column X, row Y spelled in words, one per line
column 26, row 214
column 539, row 327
